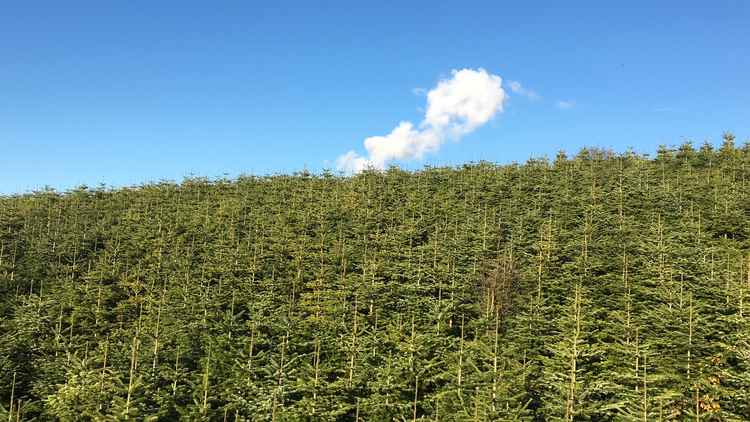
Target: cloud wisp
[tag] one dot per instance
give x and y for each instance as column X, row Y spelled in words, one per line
column 455, row 107
column 565, row 104
column 521, row 90
column 517, row 88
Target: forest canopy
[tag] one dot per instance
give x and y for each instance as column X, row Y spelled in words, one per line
column 602, row 286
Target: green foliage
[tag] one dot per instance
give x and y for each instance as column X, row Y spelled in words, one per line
column 602, row 287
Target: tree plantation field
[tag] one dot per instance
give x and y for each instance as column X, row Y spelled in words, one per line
column 595, row 287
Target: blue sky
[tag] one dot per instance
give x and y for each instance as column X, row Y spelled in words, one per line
column 128, row 92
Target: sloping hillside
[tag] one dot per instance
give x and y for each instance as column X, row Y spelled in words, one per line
column 594, row 287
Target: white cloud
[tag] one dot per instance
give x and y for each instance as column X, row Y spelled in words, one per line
column 465, row 102
column 565, row 104
column 351, row 162
column 419, row 91
column 455, row 107
column 519, row 89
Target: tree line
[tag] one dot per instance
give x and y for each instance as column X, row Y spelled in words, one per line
column 599, row 286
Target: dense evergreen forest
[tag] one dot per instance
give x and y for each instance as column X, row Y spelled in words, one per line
column 599, row 287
